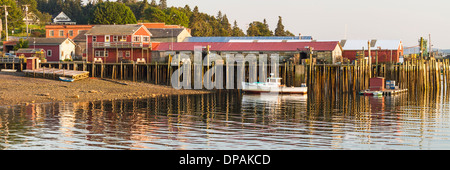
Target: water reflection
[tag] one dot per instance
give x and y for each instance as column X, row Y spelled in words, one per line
column 230, row 121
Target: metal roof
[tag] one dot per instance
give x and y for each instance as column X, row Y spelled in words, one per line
column 47, row 41
column 81, row 37
column 113, row 29
column 29, row 50
column 359, row 44
column 249, row 46
column 228, row 39
column 165, row 32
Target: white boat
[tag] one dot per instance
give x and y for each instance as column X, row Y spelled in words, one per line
column 272, row 85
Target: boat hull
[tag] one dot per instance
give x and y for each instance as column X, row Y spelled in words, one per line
column 66, row 79
column 255, row 89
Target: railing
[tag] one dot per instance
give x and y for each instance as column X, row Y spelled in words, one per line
column 11, row 59
column 121, row 45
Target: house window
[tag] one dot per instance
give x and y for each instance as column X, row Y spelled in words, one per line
column 49, row 53
column 146, row 38
column 61, row 33
column 115, row 38
column 127, row 54
column 124, row 38
column 94, row 38
column 70, row 32
column 107, row 38
column 51, row 33
column 100, row 53
column 136, row 38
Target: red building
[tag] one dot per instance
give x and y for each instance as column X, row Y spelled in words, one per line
column 65, row 31
column 385, row 50
column 116, row 43
column 56, row 49
column 30, row 52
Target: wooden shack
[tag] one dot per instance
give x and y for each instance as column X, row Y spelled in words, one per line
column 376, row 84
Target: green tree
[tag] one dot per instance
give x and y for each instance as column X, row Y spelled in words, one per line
column 154, row 14
column 279, row 31
column 153, row 3
column 257, row 28
column 236, row 31
column 15, row 17
column 225, row 26
column 163, row 4
column 176, row 17
column 112, row 13
column 171, row 16
column 21, row 44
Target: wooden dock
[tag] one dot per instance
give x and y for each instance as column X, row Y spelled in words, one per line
column 389, row 92
column 54, row 73
column 386, row 92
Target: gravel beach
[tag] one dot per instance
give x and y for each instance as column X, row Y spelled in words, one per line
column 16, row 88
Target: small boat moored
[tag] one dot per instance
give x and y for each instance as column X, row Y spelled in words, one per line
column 272, row 85
column 66, row 79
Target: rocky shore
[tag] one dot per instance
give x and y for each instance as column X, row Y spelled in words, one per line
column 15, row 88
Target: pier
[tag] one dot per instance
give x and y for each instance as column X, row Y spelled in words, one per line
column 413, row 74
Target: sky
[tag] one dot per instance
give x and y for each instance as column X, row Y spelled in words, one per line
column 405, row 20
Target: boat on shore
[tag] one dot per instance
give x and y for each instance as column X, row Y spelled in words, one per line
column 66, row 79
column 9, row 70
column 272, row 85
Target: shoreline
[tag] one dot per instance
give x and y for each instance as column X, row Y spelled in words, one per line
column 16, row 89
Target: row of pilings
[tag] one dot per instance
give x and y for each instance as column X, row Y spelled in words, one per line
column 416, row 75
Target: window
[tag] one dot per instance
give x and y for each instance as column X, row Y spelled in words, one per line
column 146, row 38
column 124, row 38
column 107, row 38
column 51, row 33
column 115, row 38
column 101, row 53
column 49, row 53
column 136, row 38
column 94, row 38
column 61, row 33
column 70, row 32
column 127, row 54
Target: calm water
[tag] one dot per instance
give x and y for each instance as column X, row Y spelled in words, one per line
column 228, row 121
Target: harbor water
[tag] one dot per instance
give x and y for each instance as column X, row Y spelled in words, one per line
column 232, row 121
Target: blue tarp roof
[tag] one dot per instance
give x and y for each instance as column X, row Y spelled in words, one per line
column 227, row 39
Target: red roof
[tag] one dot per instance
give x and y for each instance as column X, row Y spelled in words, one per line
column 249, row 46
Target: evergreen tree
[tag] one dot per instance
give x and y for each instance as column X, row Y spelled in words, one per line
column 153, row 3
column 257, row 28
column 163, row 4
column 236, row 31
column 279, row 31
column 112, row 13
column 154, row 14
column 225, row 26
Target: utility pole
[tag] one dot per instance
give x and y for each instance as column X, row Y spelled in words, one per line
column 421, row 48
column 370, row 59
column 6, row 21
column 430, row 50
column 26, row 16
